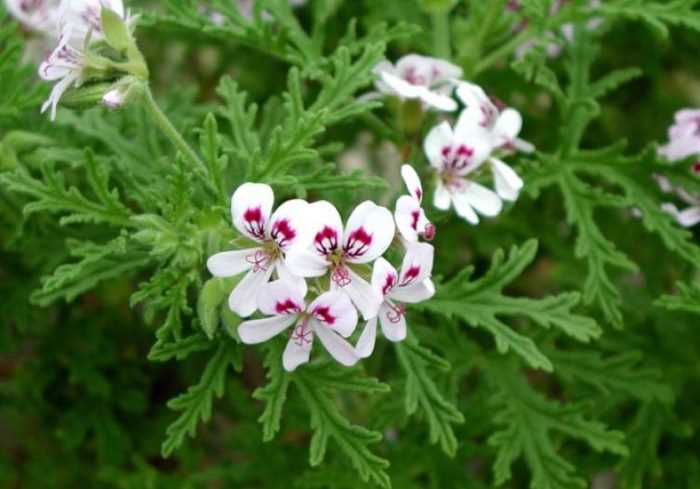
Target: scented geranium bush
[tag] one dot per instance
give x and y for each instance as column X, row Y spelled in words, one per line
column 326, row 243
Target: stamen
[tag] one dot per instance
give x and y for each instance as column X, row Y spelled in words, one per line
column 395, row 313
column 429, row 232
column 341, row 276
column 260, row 261
column 301, row 334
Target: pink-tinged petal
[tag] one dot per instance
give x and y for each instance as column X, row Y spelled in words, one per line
column 335, row 311
column 260, row 330
column 251, row 205
column 384, row 277
column 289, row 225
column 479, row 108
column 523, row 146
column 368, row 338
column 681, row 148
column 280, row 297
column 483, row 200
column 414, row 293
column 369, row 232
column 56, row 93
column 463, row 208
column 507, row 126
column 444, row 70
column 477, row 139
column 244, row 297
column 441, row 197
column 417, row 265
column 294, row 281
column 508, row 183
column 306, row 263
column 230, row 263
column 298, row 347
column 689, row 217
column 363, row 295
column 412, row 181
column 326, row 227
column 438, row 138
column 392, row 318
column 383, row 66
column 408, row 216
column 337, row 347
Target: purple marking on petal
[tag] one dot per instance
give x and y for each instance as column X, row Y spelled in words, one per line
column 254, row 222
column 326, row 240
column 323, row 314
column 358, row 243
column 282, row 233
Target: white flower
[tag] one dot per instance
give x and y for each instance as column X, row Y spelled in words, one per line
column 410, row 286
column 454, row 155
column 683, row 135
column 64, row 66
column 115, row 98
column 81, row 17
column 276, row 234
column 330, row 316
column 367, row 235
column 37, row 15
column 409, row 215
column 419, row 77
column 503, row 126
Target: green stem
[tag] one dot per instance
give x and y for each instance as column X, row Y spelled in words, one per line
column 170, row 132
column 503, row 51
column 441, row 33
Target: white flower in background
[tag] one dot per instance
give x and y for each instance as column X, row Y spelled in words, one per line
column 331, row 317
column 114, row 98
column 83, row 17
column 367, row 235
column 684, row 142
column 65, row 66
column 36, row 15
column 274, row 235
column 421, row 78
column 409, row 215
column 455, row 154
column 410, row 286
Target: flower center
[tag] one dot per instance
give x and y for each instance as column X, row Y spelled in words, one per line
column 263, row 258
column 301, row 334
column 395, row 312
column 456, row 157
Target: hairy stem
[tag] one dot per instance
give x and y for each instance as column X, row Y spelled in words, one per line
column 171, row 132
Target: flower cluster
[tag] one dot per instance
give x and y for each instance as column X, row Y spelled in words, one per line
column 684, row 142
column 80, row 29
column 482, row 133
column 300, row 242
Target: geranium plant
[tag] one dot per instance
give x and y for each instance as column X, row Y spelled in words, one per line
column 327, row 243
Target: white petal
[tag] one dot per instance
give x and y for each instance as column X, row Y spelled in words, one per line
column 464, row 208
column 298, row 347
column 439, row 137
column 338, row 348
column 393, row 322
column 523, row 146
column 407, row 216
column 477, row 139
column 508, row 183
column 335, row 311
column 326, row 227
column 417, row 264
column 294, row 281
column 401, row 87
column 363, row 295
column 507, row 126
column 368, row 338
column 230, row 263
column 306, row 263
column 437, row 100
column 251, row 205
column 384, row 276
column 369, row 232
column 485, row 201
column 56, row 93
column 289, row 225
column 259, row 330
column 280, row 297
column 441, row 197
column 244, row 298
column 412, row 181
column 414, row 293
column 689, row 217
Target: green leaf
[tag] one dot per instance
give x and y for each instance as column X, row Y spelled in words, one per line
column 482, row 303
column 195, row 404
column 528, row 422
column 274, row 394
column 656, row 14
column 421, row 392
column 211, row 296
column 328, row 423
column 687, row 300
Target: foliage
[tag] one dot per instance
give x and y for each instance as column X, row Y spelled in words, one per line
column 582, row 297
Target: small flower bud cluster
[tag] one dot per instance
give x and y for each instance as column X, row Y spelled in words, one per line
column 313, row 276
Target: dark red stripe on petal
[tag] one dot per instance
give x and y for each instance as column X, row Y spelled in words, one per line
column 288, row 306
column 323, row 314
column 410, row 275
column 254, row 222
column 358, row 243
column 282, row 233
column 326, row 240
